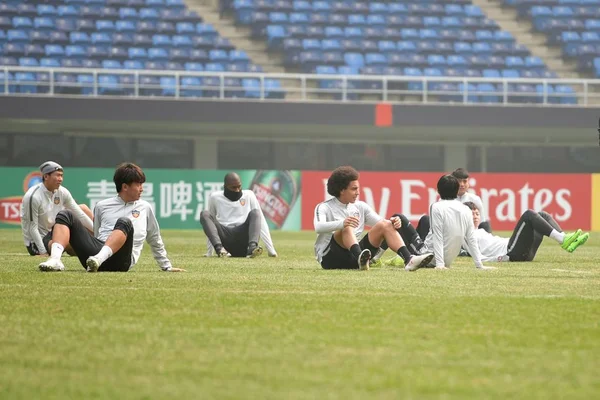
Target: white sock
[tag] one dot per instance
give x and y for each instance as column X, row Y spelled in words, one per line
column 56, row 251
column 558, row 236
column 104, row 254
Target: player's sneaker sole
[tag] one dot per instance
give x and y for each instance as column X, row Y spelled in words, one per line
column 92, row 264
column 363, row 260
column 417, row 262
column 570, row 238
column 581, row 239
column 48, row 266
column 257, row 251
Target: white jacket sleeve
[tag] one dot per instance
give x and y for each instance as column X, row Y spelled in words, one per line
column 72, row 205
column 265, row 233
column 30, row 221
column 437, row 229
column 322, row 225
column 371, row 217
column 155, row 241
column 471, row 240
column 479, row 204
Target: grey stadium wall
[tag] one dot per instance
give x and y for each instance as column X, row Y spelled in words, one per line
column 288, row 135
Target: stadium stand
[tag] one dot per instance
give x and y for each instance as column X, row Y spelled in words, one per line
column 450, row 38
column 132, row 47
column 574, row 25
column 111, row 35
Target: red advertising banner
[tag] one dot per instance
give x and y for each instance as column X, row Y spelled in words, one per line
column 505, row 196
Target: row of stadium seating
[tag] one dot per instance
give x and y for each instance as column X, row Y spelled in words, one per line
column 118, row 34
column 574, row 25
column 380, row 37
column 141, row 85
column 107, row 84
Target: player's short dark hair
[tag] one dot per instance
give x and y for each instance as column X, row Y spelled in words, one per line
column 127, row 173
column 460, row 173
column 471, row 205
column 340, row 179
column 447, row 187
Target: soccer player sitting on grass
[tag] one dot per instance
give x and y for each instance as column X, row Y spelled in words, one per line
column 41, row 204
column 451, row 226
column 340, row 221
column 121, row 224
column 464, row 195
column 526, row 238
column 234, row 221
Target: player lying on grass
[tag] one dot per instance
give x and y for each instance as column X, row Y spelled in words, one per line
column 234, row 221
column 526, row 237
column 42, row 203
column 121, row 224
column 451, row 226
column 340, row 221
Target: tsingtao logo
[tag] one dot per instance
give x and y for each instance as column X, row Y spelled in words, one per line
column 31, row 179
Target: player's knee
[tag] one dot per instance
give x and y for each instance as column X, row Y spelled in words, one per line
column 529, row 213
column 385, row 224
column 403, row 219
column 204, row 215
column 124, row 225
column 254, row 214
column 64, row 217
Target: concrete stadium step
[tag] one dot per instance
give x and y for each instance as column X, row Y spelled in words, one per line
column 238, row 36
column 524, row 34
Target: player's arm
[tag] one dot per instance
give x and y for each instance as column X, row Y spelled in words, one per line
column 437, row 230
column 31, row 207
column 72, row 205
column 479, row 204
column 97, row 220
column 265, row 232
column 157, row 246
column 471, row 240
column 321, row 222
column 371, row 217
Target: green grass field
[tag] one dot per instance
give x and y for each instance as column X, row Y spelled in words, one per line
column 284, row 328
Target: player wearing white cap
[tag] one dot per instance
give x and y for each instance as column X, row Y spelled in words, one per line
column 42, row 203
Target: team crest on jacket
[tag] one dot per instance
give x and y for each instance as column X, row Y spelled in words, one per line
column 243, row 202
column 135, row 213
column 56, row 200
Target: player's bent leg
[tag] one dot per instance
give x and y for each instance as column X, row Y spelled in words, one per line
column 253, row 221
column 115, row 255
column 409, row 235
column 214, row 232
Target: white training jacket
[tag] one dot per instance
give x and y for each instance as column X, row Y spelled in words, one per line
column 39, row 208
column 145, row 226
column 233, row 213
column 492, row 248
column 451, row 226
column 330, row 216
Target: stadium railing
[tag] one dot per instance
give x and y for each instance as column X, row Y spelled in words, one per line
column 35, row 81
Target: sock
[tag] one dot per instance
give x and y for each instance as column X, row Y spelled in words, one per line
column 558, row 236
column 252, row 244
column 104, row 254
column 355, row 250
column 378, row 254
column 56, row 251
column 218, row 248
column 404, row 253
